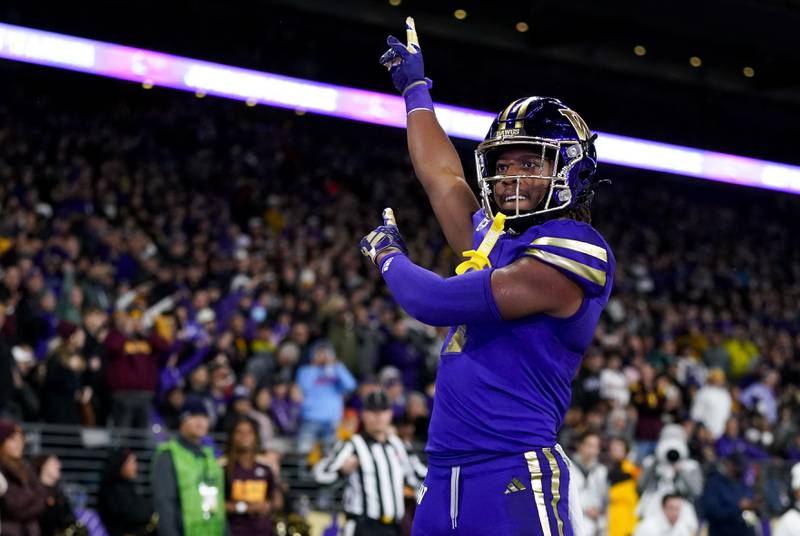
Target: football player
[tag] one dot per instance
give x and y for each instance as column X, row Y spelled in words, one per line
column 522, row 310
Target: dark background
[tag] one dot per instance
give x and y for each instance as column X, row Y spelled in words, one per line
column 579, row 51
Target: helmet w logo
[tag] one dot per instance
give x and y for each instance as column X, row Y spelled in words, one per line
column 577, row 123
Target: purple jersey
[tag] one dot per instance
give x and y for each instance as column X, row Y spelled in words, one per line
column 504, row 388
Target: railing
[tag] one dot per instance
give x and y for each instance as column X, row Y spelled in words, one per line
column 83, row 453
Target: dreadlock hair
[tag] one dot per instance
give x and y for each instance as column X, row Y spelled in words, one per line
column 582, row 212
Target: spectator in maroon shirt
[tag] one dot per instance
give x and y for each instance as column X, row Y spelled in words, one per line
column 650, row 402
column 132, row 371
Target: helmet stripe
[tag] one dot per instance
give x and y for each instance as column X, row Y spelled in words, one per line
column 503, row 117
column 514, row 112
column 520, row 115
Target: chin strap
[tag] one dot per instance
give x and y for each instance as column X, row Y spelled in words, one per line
column 478, row 259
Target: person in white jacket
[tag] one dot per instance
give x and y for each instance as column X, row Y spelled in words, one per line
column 590, row 478
column 712, row 403
column 670, row 520
column 789, row 523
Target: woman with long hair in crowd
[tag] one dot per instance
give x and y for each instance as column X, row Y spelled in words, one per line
column 251, row 488
column 25, row 499
column 66, row 398
column 58, row 517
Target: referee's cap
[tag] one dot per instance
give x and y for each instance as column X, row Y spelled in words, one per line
column 376, row 401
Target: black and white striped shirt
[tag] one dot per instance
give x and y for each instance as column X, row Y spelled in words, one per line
column 375, row 488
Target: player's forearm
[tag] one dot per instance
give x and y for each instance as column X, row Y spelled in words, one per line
column 439, row 170
column 433, row 300
column 433, row 155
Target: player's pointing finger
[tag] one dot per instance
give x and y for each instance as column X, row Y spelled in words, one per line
column 388, row 217
column 411, row 36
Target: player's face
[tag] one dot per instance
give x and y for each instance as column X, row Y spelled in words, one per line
column 521, row 161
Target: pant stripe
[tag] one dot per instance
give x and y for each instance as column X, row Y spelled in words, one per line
column 535, row 470
column 455, row 473
column 547, row 489
column 555, row 487
column 563, row 505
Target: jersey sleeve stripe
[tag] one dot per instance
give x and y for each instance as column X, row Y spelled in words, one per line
column 598, row 252
column 598, row 277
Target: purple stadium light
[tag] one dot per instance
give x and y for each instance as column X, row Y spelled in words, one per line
column 157, row 69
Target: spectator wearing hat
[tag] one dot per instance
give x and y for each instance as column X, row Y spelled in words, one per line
column 188, row 484
column 377, row 466
column 324, row 383
column 789, row 522
column 728, row 501
column 25, row 499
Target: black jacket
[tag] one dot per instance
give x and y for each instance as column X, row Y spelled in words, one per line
column 58, row 515
column 121, row 508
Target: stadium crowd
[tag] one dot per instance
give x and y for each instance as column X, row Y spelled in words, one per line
column 171, row 251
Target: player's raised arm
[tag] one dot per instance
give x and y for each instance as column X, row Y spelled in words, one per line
column 436, row 162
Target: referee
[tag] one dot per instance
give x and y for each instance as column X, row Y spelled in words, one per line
column 377, row 466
